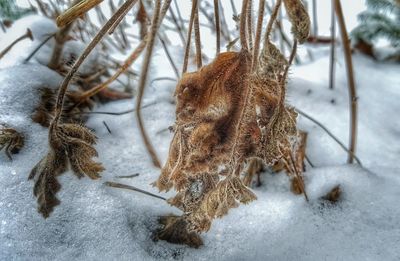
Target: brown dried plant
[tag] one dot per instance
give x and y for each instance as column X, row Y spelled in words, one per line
column 226, row 113
column 70, row 145
column 10, row 140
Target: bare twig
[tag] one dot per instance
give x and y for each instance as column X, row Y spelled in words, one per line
column 124, row 186
column 60, row 38
column 28, row 34
column 330, row 134
column 128, row 62
column 233, row 8
column 257, row 40
column 38, row 47
column 64, row 85
column 167, row 53
column 189, row 36
column 217, row 26
column 128, row 176
column 143, row 77
column 178, row 26
column 333, row 47
column 197, row 38
column 350, row 79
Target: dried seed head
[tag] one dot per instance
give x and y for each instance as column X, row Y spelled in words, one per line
column 299, row 18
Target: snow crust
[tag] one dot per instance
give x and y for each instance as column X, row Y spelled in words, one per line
column 95, row 222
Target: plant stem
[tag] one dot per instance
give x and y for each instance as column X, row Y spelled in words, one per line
column 124, row 186
column 242, row 26
column 257, row 40
column 28, row 34
column 75, row 11
column 38, row 47
column 330, row 134
column 143, row 77
column 197, row 38
column 189, row 35
column 350, row 79
column 217, row 26
column 249, row 20
column 333, row 43
column 64, row 85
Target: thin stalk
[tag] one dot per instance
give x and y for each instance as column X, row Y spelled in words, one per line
column 330, row 134
column 128, row 62
column 168, row 54
column 197, row 38
column 242, row 26
column 124, row 186
column 233, row 8
column 38, row 47
column 333, row 47
column 249, row 17
column 75, row 11
column 28, row 34
column 298, row 176
column 143, row 77
column 64, row 85
column 350, row 79
column 271, row 21
column 260, row 18
column 189, row 35
column 217, row 26
column 60, row 38
column 315, row 18
column 178, row 26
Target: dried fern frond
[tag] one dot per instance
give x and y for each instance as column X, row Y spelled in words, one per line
column 71, row 145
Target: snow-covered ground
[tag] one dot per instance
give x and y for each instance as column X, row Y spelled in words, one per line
column 95, row 222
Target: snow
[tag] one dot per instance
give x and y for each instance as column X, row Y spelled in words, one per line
column 95, row 222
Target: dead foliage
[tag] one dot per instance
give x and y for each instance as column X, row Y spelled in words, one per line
column 71, row 146
column 227, row 113
column 10, row 140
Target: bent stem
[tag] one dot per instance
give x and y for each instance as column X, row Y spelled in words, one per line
column 28, row 34
column 64, row 85
column 143, row 76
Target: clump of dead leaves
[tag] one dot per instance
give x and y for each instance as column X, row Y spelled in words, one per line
column 227, row 114
column 71, row 145
column 10, row 140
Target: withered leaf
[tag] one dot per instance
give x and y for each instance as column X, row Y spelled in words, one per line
column 70, row 145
